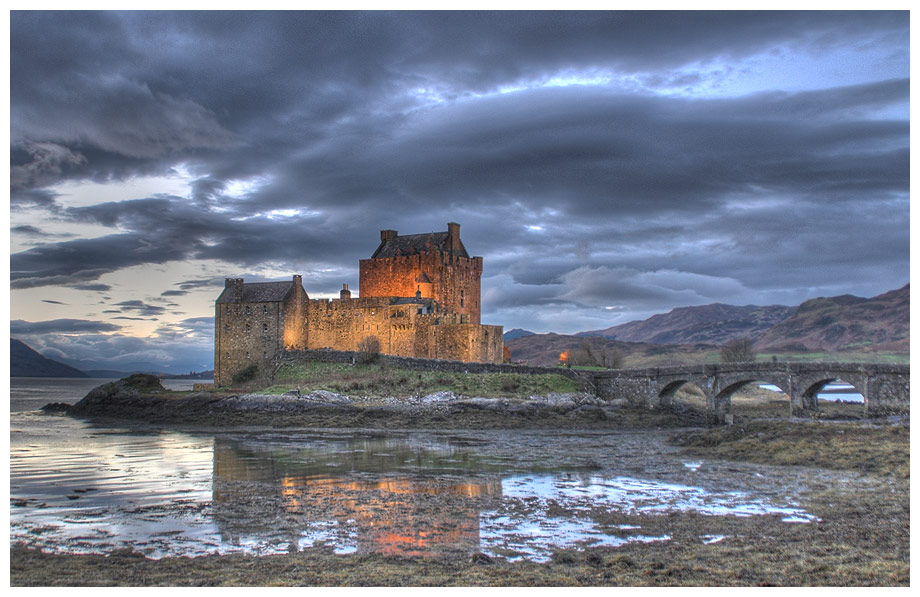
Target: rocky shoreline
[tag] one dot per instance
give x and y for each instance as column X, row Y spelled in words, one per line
column 142, row 398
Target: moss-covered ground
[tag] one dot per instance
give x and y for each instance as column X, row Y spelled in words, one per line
column 378, row 380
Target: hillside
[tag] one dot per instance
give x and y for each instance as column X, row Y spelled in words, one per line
column 25, row 362
column 708, row 324
column 845, row 327
column 516, row 333
column 844, row 323
column 544, row 349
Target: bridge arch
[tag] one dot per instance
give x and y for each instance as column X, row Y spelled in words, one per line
column 722, row 401
column 668, row 391
column 808, row 385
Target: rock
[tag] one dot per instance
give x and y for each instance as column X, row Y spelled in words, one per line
column 123, row 391
column 481, row 558
column 55, row 407
column 445, row 396
column 326, row 396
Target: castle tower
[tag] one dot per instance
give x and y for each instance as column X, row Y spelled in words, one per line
column 254, row 321
column 435, row 264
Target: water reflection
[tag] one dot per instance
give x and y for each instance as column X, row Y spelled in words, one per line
column 75, row 487
column 326, row 494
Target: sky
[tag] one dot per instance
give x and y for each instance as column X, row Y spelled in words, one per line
column 607, row 166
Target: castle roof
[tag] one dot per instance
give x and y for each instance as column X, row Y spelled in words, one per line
column 413, row 244
column 257, row 292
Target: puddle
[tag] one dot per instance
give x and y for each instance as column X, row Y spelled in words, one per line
column 399, row 493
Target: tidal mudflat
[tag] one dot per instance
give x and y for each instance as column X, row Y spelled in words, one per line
column 359, row 507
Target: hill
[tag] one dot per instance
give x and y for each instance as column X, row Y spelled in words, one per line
column 516, row 333
column 544, row 350
column 844, row 323
column 25, row 362
column 707, row 324
column 845, row 327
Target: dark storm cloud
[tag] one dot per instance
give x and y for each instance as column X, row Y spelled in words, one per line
column 140, row 307
column 27, row 229
column 60, row 326
column 53, row 302
column 92, row 287
column 360, row 121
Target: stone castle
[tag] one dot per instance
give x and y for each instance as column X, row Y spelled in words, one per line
column 419, row 297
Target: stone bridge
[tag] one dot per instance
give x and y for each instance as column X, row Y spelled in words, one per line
column 885, row 388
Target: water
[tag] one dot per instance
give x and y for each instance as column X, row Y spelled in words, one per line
column 831, row 392
column 80, row 488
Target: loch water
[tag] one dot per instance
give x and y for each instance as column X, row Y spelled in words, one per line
column 83, row 487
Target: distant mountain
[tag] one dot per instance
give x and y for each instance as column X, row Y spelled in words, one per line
column 844, row 323
column 707, row 324
column 851, row 326
column 25, row 362
column 517, row 333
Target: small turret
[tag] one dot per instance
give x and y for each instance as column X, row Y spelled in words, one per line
column 344, row 294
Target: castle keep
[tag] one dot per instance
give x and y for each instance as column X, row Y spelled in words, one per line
column 419, row 297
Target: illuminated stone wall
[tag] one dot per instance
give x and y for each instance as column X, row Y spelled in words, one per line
column 402, row 330
column 255, row 331
column 454, row 280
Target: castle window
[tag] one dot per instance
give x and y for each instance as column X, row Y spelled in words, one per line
column 247, row 354
column 226, row 327
column 248, row 328
column 461, row 298
column 264, row 354
column 227, row 311
column 228, row 356
column 264, row 308
column 248, row 310
column 264, row 328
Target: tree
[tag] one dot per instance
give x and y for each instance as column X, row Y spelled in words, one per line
column 738, row 350
column 587, row 356
column 368, row 350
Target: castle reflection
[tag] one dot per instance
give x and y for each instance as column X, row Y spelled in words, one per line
column 379, row 495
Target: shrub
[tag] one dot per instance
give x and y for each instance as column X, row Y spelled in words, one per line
column 368, row 350
column 737, row 350
column 245, row 374
column 587, row 356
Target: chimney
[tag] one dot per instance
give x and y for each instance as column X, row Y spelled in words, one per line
column 387, row 235
column 237, row 285
column 344, row 293
column 298, row 280
column 453, row 236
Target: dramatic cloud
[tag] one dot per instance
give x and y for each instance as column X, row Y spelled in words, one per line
column 60, row 326
column 606, row 165
column 92, row 287
column 140, row 307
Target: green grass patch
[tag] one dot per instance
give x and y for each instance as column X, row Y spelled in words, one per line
column 380, row 380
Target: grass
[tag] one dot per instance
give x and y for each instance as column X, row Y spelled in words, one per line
column 379, row 380
column 878, row 449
